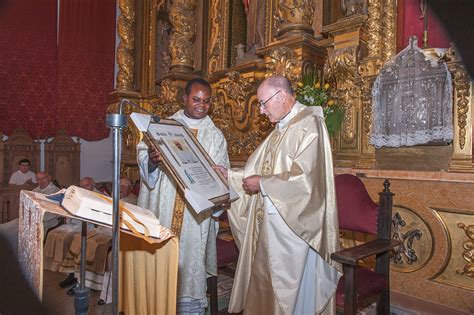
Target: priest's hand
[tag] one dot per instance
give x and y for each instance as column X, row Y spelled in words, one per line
column 154, row 156
column 222, row 170
column 251, row 184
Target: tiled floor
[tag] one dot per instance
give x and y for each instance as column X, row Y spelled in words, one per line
column 56, row 299
column 59, row 303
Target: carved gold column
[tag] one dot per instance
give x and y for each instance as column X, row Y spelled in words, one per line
column 147, row 54
column 462, row 107
column 218, row 36
column 183, row 34
column 294, row 17
column 126, row 47
column 349, row 43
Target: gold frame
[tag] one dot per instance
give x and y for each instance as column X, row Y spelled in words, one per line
column 201, row 156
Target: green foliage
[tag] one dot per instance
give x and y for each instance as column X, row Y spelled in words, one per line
column 310, row 93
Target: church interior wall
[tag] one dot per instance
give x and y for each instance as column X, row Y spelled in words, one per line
column 432, row 184
column 347, row 45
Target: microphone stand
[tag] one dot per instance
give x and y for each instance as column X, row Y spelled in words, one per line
column 117, row 122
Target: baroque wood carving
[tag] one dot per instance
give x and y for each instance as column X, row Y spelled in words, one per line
column 183, row 34
column 373, row 28
column 341, row 70
column 284, row 63
column 215, row 40
column 168, row 100
column 468, row 250
column 126, row 47
column 294, row 16
column 462, row 95
column 236, row 114
column 389, row 18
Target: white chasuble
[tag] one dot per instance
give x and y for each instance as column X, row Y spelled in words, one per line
column 197, row 257
column 287, row 232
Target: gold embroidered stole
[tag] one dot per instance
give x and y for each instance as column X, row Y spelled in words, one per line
column 267, row 168
column 179, row 205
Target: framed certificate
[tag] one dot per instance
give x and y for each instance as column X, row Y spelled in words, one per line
column 188, row 163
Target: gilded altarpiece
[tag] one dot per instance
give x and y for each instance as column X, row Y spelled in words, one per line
column 348, row 54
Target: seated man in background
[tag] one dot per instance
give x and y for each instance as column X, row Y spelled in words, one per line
column 23, row 176
column 126, row 191
column 98, row 253
column 45, row 186
column 10, row 229
column 58, row 241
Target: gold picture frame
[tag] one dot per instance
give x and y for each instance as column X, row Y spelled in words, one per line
column 188, row 163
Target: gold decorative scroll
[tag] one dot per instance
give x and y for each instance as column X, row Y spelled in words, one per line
column 341, row 70
column 168, row 102
column 183, row 34
column 126, row 47
column 373, row 28
column 467, row 250
column 294, row 17
column 215, row 36
column 462, row 95
column 236, row 113
column 366, row 97
column 389, row 30
column 284, row 63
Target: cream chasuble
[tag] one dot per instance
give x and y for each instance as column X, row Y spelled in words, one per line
column 197, row 257
column 287, row 232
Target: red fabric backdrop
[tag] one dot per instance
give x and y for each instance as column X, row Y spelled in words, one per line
column 52, row 82
column 28, row 70
column 410, row 23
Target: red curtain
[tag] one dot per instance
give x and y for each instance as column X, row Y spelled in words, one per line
column 50, row 83
column 410, row 23
column 85, row 65
column 28, row 70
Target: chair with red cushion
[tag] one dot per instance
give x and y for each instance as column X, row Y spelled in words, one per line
column 227, row 253
column 357, row 212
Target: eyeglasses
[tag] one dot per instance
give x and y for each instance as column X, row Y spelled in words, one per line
column 196, row 100
column 263, row 103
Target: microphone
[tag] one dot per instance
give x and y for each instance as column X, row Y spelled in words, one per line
column 154, row 118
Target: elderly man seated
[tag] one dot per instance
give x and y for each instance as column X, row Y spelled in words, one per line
column 58, row 241
column 99, row 242
column 126, row 191
column 10, row 229
column 45, row 186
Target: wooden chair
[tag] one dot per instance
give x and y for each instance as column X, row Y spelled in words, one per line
column 227, row 253
column 357, row 212
column 62, row 159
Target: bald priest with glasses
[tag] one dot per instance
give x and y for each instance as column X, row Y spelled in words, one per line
column 158, row 192
column 285, row 221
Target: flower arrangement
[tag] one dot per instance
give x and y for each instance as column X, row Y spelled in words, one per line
column 310, row 93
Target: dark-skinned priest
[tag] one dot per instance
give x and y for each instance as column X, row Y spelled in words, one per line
column 158, row 192
column 285, row 221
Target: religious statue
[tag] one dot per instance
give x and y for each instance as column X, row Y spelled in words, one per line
column 352, row 7
column 255, row 10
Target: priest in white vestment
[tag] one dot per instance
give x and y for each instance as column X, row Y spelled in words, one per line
column 158, row 192
column 285, row 221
